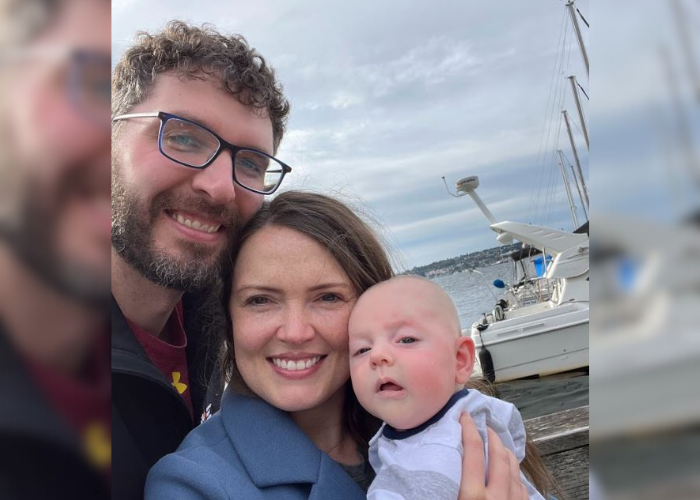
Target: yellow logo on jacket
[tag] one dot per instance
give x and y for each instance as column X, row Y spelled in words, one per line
column 177, row 384
column 97, row 442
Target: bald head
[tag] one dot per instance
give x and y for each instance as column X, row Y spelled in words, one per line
column 420, row 296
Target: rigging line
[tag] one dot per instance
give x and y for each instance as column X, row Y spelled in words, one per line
column 545, row 169
column 567, row 160
column 576, row 125
column 579, row 188
column 551, row 197
column 555, row 86
column 584, row 92
column 568, row 60
column 548, row 190
column 548, row 199
column 552, row 81
column 550, row 193
column 584, row 19
column 551, row 99
column 569, row 164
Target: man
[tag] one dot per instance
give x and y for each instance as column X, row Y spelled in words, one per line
column 197, row 118
column 54, row 248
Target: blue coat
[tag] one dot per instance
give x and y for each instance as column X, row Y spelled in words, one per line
column 249, row 450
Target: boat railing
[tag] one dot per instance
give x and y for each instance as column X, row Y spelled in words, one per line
column 532, row 290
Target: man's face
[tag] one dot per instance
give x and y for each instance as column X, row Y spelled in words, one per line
column 56, row 154
column 175, row 224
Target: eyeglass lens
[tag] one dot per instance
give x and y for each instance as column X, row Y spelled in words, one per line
column 195, row 146
column 89, row 85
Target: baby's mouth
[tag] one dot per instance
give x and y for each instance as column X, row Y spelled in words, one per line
column 389, row 386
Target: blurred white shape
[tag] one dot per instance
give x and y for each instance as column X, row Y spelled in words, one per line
column 645, row 345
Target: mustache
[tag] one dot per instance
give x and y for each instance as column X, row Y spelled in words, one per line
column 226, row 215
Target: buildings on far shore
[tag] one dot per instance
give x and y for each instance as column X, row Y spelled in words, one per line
column 472, row 260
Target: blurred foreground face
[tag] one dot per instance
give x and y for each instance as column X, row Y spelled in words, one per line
column 55, row 155
column 54, row 249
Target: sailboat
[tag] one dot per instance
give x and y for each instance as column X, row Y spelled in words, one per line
column 521, row 339
column 541, row 326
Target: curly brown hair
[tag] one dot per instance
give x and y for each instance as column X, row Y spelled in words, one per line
column 199, row 53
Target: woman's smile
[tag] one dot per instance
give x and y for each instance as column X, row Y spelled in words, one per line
column 296, row 369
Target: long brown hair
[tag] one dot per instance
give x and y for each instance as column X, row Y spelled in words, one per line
column 354, row 246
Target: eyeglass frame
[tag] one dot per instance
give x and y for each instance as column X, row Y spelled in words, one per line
column 223, row 145
column 76, row 58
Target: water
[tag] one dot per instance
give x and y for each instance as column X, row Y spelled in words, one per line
column 471, row 295
column 533, row 397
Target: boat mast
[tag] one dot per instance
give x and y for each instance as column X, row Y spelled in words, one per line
column 682, row 21
column 568, row 190
column 577, row 98
column 581, row 180
column 578, row 188
column 574, row 21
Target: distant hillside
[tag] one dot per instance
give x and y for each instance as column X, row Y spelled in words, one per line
column 472, row 260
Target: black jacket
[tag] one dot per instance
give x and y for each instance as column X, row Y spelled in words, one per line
column 40, row 457
column 149, row 418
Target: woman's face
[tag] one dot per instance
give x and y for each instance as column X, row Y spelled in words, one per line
column 290, row 304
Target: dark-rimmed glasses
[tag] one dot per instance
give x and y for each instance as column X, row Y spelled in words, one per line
column 193, row 145
column 86, row 76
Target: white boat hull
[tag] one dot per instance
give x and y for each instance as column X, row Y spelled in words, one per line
column 539, row 343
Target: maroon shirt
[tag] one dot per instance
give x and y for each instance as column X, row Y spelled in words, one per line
column 169, row 358
column 83, row 402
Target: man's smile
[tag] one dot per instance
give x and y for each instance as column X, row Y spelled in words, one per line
column 196, row 222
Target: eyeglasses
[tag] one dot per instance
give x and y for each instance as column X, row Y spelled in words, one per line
column 84, row 74
column 193, row 145
column 90, row 85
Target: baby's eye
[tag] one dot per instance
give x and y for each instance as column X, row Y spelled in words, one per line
column 407, row 340
column 361, row 350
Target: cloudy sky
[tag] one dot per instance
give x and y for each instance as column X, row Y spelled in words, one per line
column 388, row 97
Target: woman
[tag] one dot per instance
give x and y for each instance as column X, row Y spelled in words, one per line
column 290, row 425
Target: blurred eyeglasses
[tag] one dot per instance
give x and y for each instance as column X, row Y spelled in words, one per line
column 85, row 76
column 193, row 145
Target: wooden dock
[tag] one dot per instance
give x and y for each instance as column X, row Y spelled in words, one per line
column 562, row 439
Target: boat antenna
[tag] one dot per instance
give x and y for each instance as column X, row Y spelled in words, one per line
column 468, row 185
column 485, row 282
column 459, row 193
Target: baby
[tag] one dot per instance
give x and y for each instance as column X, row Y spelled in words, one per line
column 409, row 364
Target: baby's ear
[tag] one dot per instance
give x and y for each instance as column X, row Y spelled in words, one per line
column 465, row 359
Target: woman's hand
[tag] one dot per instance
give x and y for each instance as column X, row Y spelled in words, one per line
column 503, row 474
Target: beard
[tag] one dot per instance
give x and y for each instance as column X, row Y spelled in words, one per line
column 133, row 224
column 29, row 229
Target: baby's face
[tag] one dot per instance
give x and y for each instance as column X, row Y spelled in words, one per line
column 403, row 348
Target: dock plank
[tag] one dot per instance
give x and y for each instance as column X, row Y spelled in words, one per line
column 562, row 440
column 556, row 423
column 570, row 469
